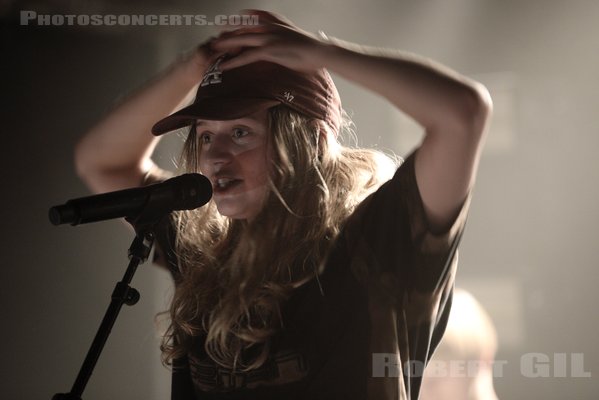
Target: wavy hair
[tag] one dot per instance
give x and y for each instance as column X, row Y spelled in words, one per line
column 235, row 274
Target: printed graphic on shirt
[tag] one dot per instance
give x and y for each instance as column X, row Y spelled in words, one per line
column 284, row 367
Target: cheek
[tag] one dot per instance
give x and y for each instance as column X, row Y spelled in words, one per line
column 256, row 165
column 200, row 162
column 204, row 168
column 201, row 166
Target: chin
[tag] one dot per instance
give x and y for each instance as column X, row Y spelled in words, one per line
column 233, row 213
column 237, row 208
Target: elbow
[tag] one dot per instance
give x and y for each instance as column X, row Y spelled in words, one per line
column 474, row 109
column 82, row 159
column 87, row 162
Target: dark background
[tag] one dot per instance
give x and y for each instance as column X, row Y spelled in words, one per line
column 529, row 253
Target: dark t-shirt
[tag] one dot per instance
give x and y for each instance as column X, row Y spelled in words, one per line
column 366, row 326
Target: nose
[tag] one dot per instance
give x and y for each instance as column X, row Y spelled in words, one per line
column 219, row 151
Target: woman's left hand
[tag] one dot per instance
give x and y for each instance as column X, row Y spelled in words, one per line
column 275, row 39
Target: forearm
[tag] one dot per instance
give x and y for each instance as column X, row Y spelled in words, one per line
column 120, row 145
column 432, row 94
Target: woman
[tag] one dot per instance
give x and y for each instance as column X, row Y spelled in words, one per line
column 306, row 276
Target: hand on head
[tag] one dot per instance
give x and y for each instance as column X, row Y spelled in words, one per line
column 274, row 39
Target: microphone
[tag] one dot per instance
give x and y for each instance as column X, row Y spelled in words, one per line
column 184, row 192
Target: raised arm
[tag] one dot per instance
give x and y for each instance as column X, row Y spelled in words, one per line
column 452, row 108
column 115, row 153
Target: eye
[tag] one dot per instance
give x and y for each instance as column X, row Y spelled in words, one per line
column 205, row 138
column 238, row 133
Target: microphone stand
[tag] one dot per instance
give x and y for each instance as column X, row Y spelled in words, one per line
column 139, row 251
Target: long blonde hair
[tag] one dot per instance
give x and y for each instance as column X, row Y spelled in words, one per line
column 236, row 274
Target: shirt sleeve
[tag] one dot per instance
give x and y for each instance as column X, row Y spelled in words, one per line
column 408, row 269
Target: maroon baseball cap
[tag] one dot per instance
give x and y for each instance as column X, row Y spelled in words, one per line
column 235, row 93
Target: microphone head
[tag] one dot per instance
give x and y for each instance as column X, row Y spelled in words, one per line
column 193, row 191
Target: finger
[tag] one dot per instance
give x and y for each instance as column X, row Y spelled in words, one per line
column 206, row 51
column 248, row 40
column 247, row 56
column 257, row 29
column 231, row 30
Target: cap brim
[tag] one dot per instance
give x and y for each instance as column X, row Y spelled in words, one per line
column 221, row 109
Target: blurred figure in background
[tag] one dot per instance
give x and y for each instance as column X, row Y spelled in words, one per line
column 462, row 366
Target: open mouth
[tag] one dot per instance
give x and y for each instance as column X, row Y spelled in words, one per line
column 225, row 184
